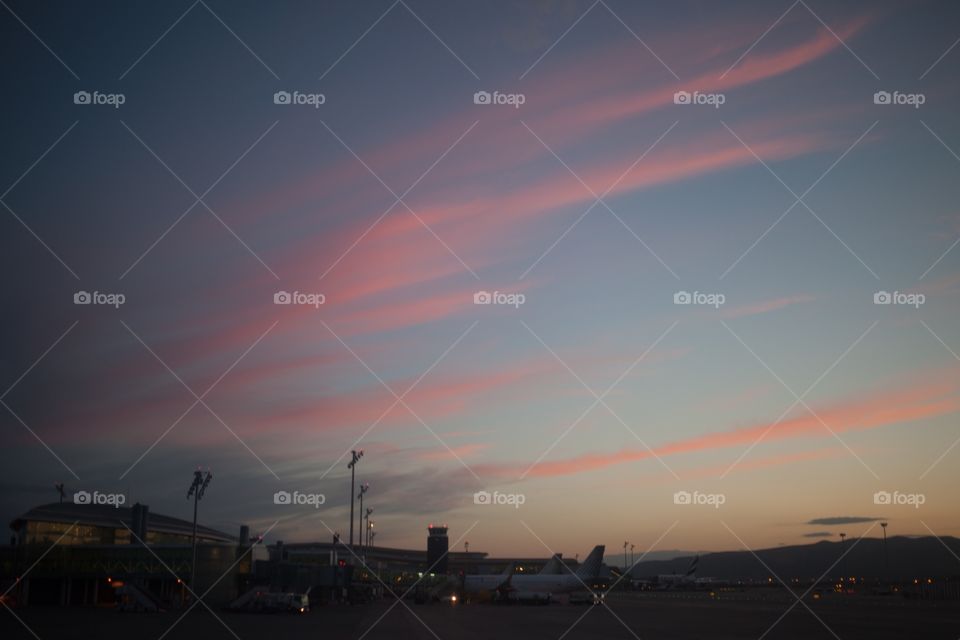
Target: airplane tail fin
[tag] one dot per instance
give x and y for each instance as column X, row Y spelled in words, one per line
column 591, row 566
column 509, row 570
column 692, row 571
column 553, row 566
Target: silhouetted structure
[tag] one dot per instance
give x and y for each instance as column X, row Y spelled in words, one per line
column 438, row 544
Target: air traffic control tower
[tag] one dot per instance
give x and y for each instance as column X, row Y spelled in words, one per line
column 437, row 547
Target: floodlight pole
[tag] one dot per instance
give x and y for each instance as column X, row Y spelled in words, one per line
column 355, row 457
column 886, row 558
column 197, row 489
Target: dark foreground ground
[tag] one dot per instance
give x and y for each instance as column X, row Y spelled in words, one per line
column 646, row 616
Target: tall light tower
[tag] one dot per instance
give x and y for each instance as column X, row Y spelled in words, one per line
column 369, row 525
column 355, row 457
column 886, row 558
column 631, row 554
column 363, row 489
column 59, row 487
column 625, row 543
column 843, row 560
column 197, row 488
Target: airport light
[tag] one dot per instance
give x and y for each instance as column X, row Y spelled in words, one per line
column 843, row 560
column 59, row 487
column 886, row 558
column 363, row 489
column 355, row 457
column 369, row 524
column 197, row 488
column 625, row 543
column 631, row 554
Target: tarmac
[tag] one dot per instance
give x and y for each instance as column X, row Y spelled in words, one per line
column 623, row 615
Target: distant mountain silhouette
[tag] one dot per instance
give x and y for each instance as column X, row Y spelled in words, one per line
column 908, row 558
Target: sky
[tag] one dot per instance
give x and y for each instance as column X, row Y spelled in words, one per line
column 718, row 238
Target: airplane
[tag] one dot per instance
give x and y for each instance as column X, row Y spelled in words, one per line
column 554, row 565
column 670, row 580
column 688, row 580
column 539, row 588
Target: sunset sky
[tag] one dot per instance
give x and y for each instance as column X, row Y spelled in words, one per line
column 597, row 199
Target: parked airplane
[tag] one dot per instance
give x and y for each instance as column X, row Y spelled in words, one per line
column 688, row 580
column 554, row 566
column 672, row 580
column 540, row 587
